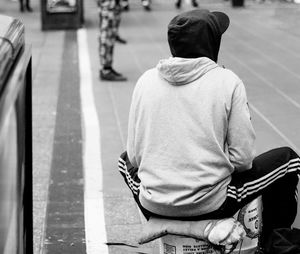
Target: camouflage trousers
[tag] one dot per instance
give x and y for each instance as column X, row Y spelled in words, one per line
column 109, row 21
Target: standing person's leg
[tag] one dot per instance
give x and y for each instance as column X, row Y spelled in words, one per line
column 107, row 38
column 195, row 3
column 146, row 4
column 115, row 34
column 21, row 5
column 178, row 4
column 125, row 5
column 27, row 4
column 105, row 34
column 116, row 25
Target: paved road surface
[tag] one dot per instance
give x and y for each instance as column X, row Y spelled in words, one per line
column 262, row 46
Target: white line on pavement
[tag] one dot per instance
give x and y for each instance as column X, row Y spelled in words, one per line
column 263, row 79
column 95, row 232
column 262, row 54
column 286, row 139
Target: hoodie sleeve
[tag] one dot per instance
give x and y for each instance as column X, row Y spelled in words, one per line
column 131, row 132
column 241, row 135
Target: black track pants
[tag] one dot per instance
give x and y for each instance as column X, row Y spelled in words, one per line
column 274, row 176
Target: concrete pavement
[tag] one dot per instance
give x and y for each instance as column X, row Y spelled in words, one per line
column 261, row 46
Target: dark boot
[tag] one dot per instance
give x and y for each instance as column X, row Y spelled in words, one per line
column 195, row 3
column 28, row 8
column 21, row 5
column 146, row 5
column 125, row 5
column 120, row 40
column 111, row 75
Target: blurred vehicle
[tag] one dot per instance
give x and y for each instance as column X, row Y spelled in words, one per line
column 15, row 140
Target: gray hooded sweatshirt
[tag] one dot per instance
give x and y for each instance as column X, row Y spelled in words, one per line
column 189, row 130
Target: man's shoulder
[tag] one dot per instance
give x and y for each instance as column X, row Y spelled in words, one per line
column 228, row 77
column 227, row 72
column 149, row 72
column 225, row 79
column 148, row 75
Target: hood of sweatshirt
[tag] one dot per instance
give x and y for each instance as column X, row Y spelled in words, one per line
column 197, row 33
column 181, row 71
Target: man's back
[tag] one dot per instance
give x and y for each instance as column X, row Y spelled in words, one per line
column 178, row 127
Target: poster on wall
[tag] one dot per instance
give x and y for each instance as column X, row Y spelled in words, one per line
column 54, row 6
